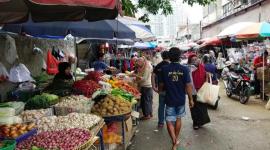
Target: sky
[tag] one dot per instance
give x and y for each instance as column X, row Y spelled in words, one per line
column 195, row 13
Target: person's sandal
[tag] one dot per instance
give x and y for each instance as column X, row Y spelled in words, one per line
column 195, row 127
column 257, row 97
column 160, row 125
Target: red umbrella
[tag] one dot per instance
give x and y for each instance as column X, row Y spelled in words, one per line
column 213, row 41
column 18, row 11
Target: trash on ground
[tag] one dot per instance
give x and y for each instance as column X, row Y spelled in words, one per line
column 245, row 118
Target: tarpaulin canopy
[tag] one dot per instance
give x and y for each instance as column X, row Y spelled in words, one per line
column 213, row 41
column 18, row 11
column 142, row 33
column 109, row 41
column 233, row 29
column 141, row 45
column 255, row 31
column 98, row 29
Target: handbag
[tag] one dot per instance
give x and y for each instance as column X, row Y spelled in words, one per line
column 208, row 93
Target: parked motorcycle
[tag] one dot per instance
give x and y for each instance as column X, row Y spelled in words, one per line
column 238, row 84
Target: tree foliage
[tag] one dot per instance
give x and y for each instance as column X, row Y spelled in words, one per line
column 155, row 6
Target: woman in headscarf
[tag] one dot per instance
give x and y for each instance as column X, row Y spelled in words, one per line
column 199, row 112
column 64, row 72
column 220, row 64
column 144, row 79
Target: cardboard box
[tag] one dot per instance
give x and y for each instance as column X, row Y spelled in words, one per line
column 134, row 85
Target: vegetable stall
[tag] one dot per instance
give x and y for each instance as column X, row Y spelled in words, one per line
column 96, row 112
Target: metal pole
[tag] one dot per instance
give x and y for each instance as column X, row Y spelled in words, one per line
column 187, row 31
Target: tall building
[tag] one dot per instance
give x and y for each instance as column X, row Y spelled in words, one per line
column 168, row 25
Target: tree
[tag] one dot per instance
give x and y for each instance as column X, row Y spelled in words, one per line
column 154, row 6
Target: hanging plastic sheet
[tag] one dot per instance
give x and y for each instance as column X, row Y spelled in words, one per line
column 10, row 49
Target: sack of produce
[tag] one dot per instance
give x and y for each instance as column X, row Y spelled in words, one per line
column 7, row 112
column 3, row 73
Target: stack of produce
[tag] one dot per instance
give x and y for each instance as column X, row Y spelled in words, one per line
column 124, row 95
column 110, row 106
column 43, row 80
column 7, row 116
column 73, row 120
column 63, row 139
column 32, row 115
column 109, row 137
column 17, row 106
column 41, row 101
column 94, row 75
column 7, row 144
column 124, row 86
column 73, row 100
column 15, row 130
column 86, row 87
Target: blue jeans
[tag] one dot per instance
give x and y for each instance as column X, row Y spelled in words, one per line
column 161, row 108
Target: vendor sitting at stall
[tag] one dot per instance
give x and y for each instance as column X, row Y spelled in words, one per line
column 100, row 65
column 64, row 72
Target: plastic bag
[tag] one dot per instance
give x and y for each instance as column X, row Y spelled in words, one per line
column 3, row 73
column 10, row 49
column 208, row 93
column 20, row 74
column 44, row 65
column 37, row 50
column 71, row 58
column 112, row 128
column 52, row 64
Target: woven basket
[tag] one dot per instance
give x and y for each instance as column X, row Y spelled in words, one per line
column 86, row 144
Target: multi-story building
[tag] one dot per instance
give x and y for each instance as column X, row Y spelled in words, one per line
column 223, row 13
column 168, row 25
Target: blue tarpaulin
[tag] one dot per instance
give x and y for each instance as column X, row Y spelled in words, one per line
column 99, row 29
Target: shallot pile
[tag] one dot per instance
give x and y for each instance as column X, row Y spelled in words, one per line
column 62, row 140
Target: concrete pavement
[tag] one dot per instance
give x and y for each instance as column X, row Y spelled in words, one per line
column 227, row 131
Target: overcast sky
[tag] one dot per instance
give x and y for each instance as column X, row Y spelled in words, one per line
column 195, row 13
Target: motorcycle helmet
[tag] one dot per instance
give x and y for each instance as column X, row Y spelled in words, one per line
column 206, row 59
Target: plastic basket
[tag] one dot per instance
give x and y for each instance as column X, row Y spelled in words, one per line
column 23, row 137
column 11, row 147
column 65, row 110
column 48, row 113
column 107, row 146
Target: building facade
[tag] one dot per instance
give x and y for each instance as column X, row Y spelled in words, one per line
column 168, row 25
column 228, row 12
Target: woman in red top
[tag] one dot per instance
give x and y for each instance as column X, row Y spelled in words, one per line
column 258, row 62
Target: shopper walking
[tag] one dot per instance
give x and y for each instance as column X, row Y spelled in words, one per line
column 220, row 65
column 199, row 112
column 162, row 95
column 213, row 59
column 258, row 62
column 144, row 79
column 177, row 81
column 210, row 68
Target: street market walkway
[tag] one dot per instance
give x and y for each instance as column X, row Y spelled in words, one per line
column 227, row 131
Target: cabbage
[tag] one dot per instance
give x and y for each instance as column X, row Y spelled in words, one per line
column 6, row 120
column 7, row 112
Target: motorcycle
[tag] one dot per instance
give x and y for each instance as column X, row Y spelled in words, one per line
column 238, row 84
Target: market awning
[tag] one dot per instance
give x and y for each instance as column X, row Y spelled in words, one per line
column 255, row 31
column 213, row 41
column 98, row 29
column 233, row 29
column 109, row 41
column 142, row 33
column 18, row 11
column 141, row 45
column 202, row 40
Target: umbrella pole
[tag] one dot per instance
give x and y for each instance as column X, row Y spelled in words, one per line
column 77, row 55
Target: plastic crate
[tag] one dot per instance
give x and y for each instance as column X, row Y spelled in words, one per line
column 11, row 147
column 49, row 113
column 65, row 110
column 107, row 146
column 23, row 137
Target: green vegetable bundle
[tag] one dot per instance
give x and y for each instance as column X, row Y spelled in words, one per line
column 124, row 95
column 40, row 101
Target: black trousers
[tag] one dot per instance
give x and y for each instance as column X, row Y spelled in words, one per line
column 219, row 71
column 257, row 89
column 147, row 100
column 199, row 113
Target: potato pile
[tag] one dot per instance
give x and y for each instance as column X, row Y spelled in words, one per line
column 111, row 106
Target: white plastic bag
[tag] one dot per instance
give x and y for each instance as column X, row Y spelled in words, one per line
column 10, row 49
column 208, row 93
column 20, row 74
column 37, row 50
column 3, row 73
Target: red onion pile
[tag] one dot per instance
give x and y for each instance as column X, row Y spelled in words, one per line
column 62, row 140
